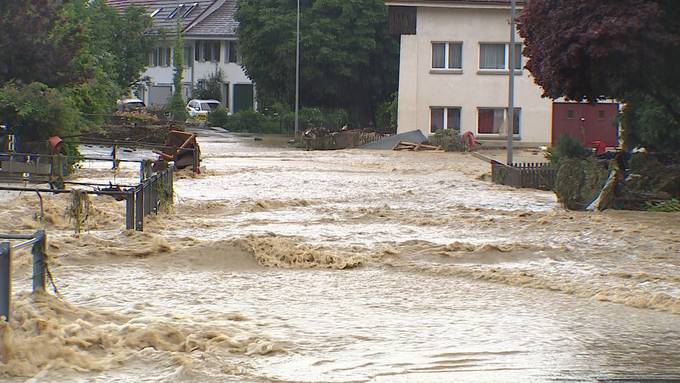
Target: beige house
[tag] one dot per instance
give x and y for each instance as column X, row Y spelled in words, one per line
column 454, row 70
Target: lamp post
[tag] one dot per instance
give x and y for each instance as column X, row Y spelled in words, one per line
column 511, row 90
column 297, row 72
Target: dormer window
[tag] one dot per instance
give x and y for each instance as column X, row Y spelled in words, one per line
column 189, row 9
column 154, row 13
column 175, row 11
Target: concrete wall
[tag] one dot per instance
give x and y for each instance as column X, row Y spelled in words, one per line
column 233, row 72
column 420, row 87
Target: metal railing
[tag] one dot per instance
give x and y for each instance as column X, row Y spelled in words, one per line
column 154, row 191
column 524, row 175
column 38, row 243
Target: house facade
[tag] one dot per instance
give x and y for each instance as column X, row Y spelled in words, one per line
column 209, row 31
column 454, row 69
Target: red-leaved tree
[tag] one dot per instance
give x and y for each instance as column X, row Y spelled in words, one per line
column 597, row 49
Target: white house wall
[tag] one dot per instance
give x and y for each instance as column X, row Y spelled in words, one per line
column 233, row 73
column 419, row 89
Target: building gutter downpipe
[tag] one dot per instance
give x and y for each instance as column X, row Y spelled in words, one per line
column 511, row 90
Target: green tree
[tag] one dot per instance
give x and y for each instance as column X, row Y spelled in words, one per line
column 626, row 50
column 177, row 106
column 348, row 58
column 83, row 49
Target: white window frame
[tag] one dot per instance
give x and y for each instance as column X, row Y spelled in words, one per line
column 446, row 117
column 507, row 57
column 447, row 64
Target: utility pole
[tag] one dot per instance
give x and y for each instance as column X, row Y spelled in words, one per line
column 297, row 73
column 511, row 91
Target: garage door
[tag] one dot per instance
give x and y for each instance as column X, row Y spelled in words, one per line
column 243, row 97
column 159, row 95
column 586, row 122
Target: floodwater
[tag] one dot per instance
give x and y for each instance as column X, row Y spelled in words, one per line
column 278, row 265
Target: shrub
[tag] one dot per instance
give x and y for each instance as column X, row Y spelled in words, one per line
column 448, row 139
column 219, row 117
column 386, row 116
column 566, row 148
column 35, row 112
column 311, row 118
column 335, row 119
column 210, row 88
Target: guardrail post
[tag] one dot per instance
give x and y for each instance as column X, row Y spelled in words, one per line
column 39, row 261
column 130, row 210
column 5, row 279
column 139, row 208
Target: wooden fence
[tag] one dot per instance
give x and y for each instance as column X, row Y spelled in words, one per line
column 524, row 175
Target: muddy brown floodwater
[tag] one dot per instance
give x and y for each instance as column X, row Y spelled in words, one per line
column 278, row 265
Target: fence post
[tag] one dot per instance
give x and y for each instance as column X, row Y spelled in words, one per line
column 171, row 184
column 197, row 158
column 139, row 208
column 147, row 199
column 39, row 261
column 5, row 279
column 114, row 157
column 130, row 210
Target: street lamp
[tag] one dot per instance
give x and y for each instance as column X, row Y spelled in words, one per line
column 297, row 72
column 511, row 90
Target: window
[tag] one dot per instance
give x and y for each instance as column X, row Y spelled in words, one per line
column 447, row 55
column 207, row 51
column 189, row 9
column 157, row 11
column 165, row 56
column 492, row 120
column 174, row 12
column 188, row 57
column 231, row 56
column 160, row 56
column 444, row 118
column 496, row 56
column 570, row 114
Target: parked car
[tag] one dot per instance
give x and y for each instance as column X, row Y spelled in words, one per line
column 199, row 109
column 131, row 105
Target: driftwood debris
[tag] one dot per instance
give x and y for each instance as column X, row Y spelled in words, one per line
column 413, row 147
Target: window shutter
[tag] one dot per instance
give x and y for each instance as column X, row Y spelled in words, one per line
column 218, row 49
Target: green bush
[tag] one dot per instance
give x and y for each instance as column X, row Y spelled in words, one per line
column 566, row 148
column 311, row 118
column 210, row 88
column 35, row 112
column 448, row 139
column 669, row 206
column 335, row 119
column 386, row 116
column 219, row 117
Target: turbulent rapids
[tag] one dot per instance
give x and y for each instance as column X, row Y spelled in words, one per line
column 348, row 266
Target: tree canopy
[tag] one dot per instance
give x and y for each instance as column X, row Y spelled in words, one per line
column 348, row 59
column 626, row 50
column 80, row 55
